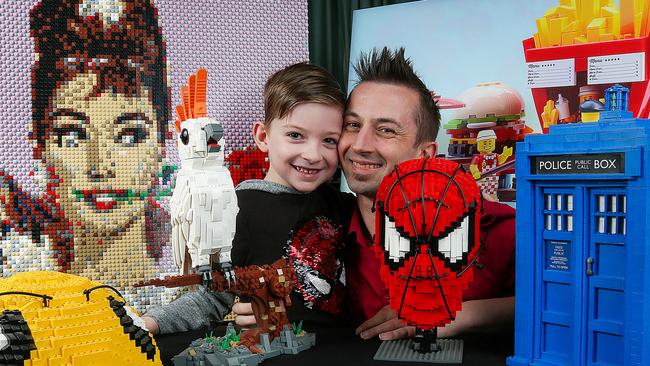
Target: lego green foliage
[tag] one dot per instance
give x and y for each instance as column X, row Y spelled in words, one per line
column 227, row 340
column 297, row 329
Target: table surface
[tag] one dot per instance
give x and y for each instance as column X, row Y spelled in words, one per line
column 342, row 345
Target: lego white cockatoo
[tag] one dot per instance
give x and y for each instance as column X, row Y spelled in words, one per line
column 204, row 204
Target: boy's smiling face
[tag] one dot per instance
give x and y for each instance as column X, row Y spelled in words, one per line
column 302, row 145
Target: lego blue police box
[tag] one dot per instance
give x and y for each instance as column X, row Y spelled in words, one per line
column 583, row 233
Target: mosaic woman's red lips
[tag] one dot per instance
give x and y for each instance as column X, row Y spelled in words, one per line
column 103, row 199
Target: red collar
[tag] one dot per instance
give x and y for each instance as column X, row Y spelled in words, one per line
column 358, row 228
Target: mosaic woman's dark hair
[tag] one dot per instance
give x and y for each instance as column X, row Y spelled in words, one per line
column 125, row 49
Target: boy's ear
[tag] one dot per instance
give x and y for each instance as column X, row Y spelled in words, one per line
column 428, row 149
column 261, row 135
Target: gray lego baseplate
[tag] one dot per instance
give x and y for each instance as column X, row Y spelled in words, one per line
column 208, row 352
column 449, row 351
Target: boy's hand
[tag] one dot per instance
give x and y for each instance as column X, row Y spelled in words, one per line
column 151, row 324
column 244, row 314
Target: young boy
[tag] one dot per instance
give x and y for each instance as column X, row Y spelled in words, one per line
column 290, row 213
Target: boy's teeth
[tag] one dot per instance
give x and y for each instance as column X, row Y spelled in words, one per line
column 306, row 171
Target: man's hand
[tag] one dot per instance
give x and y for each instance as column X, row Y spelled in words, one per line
column 151, row 324
column 486, row 315
column 386, row 325
column 244, row 314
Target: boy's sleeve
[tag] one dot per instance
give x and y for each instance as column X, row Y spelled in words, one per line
column 192, row 310
column 348, row 205
column 240, row 252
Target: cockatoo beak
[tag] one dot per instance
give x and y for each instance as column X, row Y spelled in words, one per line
column 214, row 133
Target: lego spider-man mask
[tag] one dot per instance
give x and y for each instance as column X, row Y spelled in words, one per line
column 427, row 224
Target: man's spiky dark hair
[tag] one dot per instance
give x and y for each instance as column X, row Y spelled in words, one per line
column 392, row 67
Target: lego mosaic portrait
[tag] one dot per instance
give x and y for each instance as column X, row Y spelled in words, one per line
column 87, row 146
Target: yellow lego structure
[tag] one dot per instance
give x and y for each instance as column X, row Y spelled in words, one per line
column 59, row 319
column 588, row 21
column 550, row 115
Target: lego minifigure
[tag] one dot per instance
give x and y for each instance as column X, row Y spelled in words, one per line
column 487, row 160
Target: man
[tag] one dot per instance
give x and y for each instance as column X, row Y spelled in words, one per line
column 390, row 117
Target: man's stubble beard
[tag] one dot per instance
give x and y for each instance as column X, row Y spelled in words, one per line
column 363, row 187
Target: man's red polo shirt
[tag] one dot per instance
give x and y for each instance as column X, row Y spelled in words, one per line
column 494, row 275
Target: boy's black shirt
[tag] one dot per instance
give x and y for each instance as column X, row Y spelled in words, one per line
column 275, row 221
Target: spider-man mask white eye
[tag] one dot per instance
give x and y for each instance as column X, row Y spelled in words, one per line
column 427, row 224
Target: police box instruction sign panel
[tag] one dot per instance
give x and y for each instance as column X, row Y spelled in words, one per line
column 558, row 255
column 600, row 163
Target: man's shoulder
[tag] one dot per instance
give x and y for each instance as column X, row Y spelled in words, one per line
column 495, row 212
column 498, row 229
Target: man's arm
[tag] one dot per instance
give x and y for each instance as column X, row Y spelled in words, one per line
column 480, row 316
column 484, row 315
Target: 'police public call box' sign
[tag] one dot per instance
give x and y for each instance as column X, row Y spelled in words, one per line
column 601, row 163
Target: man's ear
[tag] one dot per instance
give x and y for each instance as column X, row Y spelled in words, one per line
column 428, row 149
column 261, row 136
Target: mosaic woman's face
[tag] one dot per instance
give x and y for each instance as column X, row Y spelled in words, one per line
column 105, row 151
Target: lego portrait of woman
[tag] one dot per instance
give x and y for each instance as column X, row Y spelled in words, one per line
column 100, row 107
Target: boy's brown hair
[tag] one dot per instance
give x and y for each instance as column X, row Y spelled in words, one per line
column 296, row 84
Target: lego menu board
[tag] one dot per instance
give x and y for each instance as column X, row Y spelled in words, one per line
column 622, row 68
column 551, row 73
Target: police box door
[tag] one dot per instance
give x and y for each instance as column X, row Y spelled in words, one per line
column 605, row 276
column 580, row 313
column 559, row 288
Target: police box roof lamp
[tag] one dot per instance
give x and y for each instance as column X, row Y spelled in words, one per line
column 616, row 103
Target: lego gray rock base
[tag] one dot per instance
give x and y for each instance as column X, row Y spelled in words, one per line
column 207, row 352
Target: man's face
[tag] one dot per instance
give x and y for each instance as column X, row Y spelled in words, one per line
column 379, row 131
